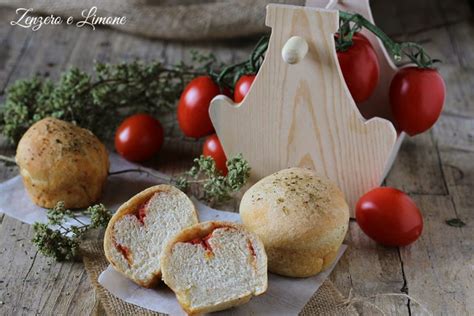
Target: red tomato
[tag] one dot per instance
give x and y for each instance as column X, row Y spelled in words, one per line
column 389, row 216
column 193, row 107
column 226, row 91
column 360, row 68
column 139, row 137
column 212, row 148
column 417, row 98
column 242, row 87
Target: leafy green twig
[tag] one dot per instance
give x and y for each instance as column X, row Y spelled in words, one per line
column 55, row 239
column 214, row 186
column 455, row 222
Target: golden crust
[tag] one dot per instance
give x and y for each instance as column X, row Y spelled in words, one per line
column 201, row 230
column 59, row 161
column 301, row 218
column 216, row 308
column 310, row 262
column 131, row 207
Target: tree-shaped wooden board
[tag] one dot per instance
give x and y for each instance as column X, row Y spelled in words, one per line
column 299, row 111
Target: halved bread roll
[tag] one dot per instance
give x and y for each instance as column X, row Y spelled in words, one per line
column 139, row 230
column 212, row 266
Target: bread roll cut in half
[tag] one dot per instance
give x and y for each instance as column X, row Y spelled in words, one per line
column 212, row 266
column 62, row 162
column 141, row 227
column 301, row 218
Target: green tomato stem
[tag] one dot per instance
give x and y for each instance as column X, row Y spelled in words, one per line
column 249, row 66
column 413, row 51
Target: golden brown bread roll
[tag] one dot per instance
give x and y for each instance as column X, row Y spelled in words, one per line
column 62, row 162
column 301, row 218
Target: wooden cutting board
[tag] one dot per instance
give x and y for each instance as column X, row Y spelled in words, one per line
column 302, row 114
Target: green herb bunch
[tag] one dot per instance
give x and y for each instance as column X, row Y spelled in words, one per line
column 61, row 242
column 98, row 101
column 214, row 186
column 204, row 178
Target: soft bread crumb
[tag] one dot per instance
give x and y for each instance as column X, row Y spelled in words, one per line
column 137, row 241
column 224, row 270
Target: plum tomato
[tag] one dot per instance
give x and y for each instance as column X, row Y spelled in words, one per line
column 389, row 216
column 193, row 107
column 360, row 68
column 416, row 99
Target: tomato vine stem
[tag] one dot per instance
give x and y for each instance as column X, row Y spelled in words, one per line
column 350, row 23
column 230, row 74
column 412, row 51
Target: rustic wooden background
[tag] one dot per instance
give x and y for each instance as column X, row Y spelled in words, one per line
column 436, row 168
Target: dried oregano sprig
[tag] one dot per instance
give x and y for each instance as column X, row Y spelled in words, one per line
column 215, row 186
column 205, row 178
column 61, row 242
column 99, row 101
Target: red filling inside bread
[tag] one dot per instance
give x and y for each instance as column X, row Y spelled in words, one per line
column 251, row 249
column 203, row 241
column 141, row 212
column 124, row 251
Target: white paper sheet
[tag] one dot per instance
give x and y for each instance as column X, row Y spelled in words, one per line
column 285, row 296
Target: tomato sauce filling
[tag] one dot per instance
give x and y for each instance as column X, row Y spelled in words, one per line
column 204, row 241
column 251, row 249
column 142, row 212
column 124, row 251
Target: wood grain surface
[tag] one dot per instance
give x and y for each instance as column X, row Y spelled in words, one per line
column 302, row 114
column 436, row 169
column 378, row 103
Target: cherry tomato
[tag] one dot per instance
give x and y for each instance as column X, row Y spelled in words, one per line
column 242, row 87
column 226, row 91
column 360, row 68
column 416, row 98
column 212, row 148
column 139, row 137
column 389, row 216
column 193, row 107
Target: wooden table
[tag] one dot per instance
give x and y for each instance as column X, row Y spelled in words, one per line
column 436, row 169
